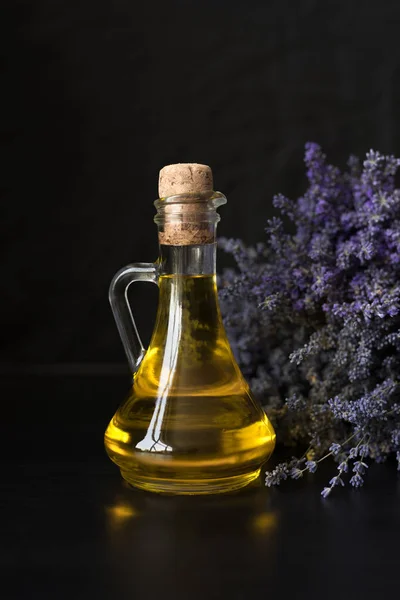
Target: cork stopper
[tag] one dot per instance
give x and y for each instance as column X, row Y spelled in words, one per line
column 185, row 178
column 187, row 222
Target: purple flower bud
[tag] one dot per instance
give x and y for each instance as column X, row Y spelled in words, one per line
column 326, row 491
column 335, row 448
column 356, row 481
column 311, row 465
column 296, row 473
column 337, row 480
column 360, row 467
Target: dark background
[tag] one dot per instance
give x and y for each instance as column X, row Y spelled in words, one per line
column 98, row 95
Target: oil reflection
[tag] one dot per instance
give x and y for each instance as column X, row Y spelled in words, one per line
column 264, row 522
column 120, row 513
column 188, row 539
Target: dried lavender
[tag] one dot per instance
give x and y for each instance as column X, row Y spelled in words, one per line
column 313, row 317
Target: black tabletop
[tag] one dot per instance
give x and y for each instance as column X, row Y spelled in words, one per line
column 70, row 528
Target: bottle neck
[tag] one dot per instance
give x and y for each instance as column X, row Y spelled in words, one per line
column 186, row 232
column 194, row 259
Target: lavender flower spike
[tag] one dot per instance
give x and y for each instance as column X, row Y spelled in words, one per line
column 313, row 315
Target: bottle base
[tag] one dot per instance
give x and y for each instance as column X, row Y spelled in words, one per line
column 194, row 487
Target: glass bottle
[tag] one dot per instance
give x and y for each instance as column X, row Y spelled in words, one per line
column 190, row 424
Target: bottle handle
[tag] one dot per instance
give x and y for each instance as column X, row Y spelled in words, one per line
column 118, row 296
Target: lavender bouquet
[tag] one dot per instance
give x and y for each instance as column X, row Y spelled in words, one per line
column 313, row 317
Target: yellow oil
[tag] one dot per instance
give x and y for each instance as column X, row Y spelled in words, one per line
column 190, row 424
